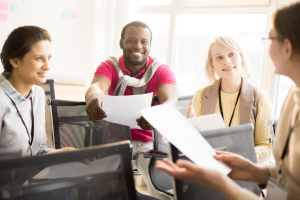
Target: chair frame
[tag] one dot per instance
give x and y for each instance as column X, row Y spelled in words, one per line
column 123, row 148
column 50, row 82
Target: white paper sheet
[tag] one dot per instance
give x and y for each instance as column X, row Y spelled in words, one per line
column 33, row 2
column 207, row 122
column 179, row 131
column 75, row 169
column 125, row 109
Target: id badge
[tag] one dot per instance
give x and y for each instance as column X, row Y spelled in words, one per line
column 276, row 191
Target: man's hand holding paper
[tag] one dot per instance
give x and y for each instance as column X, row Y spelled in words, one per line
column 126, row 109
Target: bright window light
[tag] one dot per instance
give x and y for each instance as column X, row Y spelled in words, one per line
column 196, row 31
column 150, row 3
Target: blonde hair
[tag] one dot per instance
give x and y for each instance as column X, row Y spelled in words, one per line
column 210, row 75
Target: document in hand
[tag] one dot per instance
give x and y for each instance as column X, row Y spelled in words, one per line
column 207, row 122
column 182, row 134
column 125, row 109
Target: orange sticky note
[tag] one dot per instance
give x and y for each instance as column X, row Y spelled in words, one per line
column 74, row 15
column 3, row 5
column 3, row 17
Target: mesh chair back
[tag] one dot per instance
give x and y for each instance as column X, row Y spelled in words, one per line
column 72, row 127
column 48, row 87
column 183, row 104
column 237, row 139
column 108, row 176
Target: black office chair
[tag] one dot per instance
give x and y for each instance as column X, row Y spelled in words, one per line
column 36, row 178
column 72, row 128
column 237, row 139
column 48, row 87
column 160, row 181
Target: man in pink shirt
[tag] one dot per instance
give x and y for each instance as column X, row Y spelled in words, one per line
column 135, row 42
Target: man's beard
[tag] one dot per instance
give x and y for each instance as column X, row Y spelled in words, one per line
column 133, row 62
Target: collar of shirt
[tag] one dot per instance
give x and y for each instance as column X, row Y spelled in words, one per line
column 123, row 67
column 11, row 91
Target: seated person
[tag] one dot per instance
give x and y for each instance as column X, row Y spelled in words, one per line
column 284, row 50
column 229, row 93
column 25, row 56
column 133, row 73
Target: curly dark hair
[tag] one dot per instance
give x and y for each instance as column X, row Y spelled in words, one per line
column 136, row 24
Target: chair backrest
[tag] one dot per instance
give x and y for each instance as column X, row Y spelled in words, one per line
column 107, row 176
column 48, row 87
column 72, row 127
column 237, row 139
column 183, row 104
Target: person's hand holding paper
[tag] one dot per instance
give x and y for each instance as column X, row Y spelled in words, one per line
column 178, row 130
column 126, row 109
column 144, row 124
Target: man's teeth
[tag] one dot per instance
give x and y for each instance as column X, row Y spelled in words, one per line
column 137, row 53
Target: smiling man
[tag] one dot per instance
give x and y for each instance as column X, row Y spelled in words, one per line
column 133, row 73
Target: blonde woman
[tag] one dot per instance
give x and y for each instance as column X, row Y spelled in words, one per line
column 227, row 69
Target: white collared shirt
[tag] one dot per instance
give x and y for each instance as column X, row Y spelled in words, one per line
column 13, row 135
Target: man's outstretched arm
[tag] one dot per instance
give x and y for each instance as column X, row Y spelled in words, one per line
column 93, row 97
column 166, row 93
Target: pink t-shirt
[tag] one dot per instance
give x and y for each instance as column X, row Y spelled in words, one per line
column 163, row 75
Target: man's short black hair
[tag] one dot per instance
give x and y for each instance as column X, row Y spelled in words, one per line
column 136, row 24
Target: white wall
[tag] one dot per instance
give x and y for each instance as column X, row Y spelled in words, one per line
column 78, row 45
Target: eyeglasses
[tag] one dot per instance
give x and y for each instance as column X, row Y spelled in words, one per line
column 266, row 41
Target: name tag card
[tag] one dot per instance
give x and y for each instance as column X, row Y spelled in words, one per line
column 275, row 191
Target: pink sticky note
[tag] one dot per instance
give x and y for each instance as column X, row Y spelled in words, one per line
column 74, row 15
column 3, row 17
column 3, row 5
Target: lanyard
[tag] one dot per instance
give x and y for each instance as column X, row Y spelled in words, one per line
column 286, row 145
column 220, row 104
column 32, row 121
